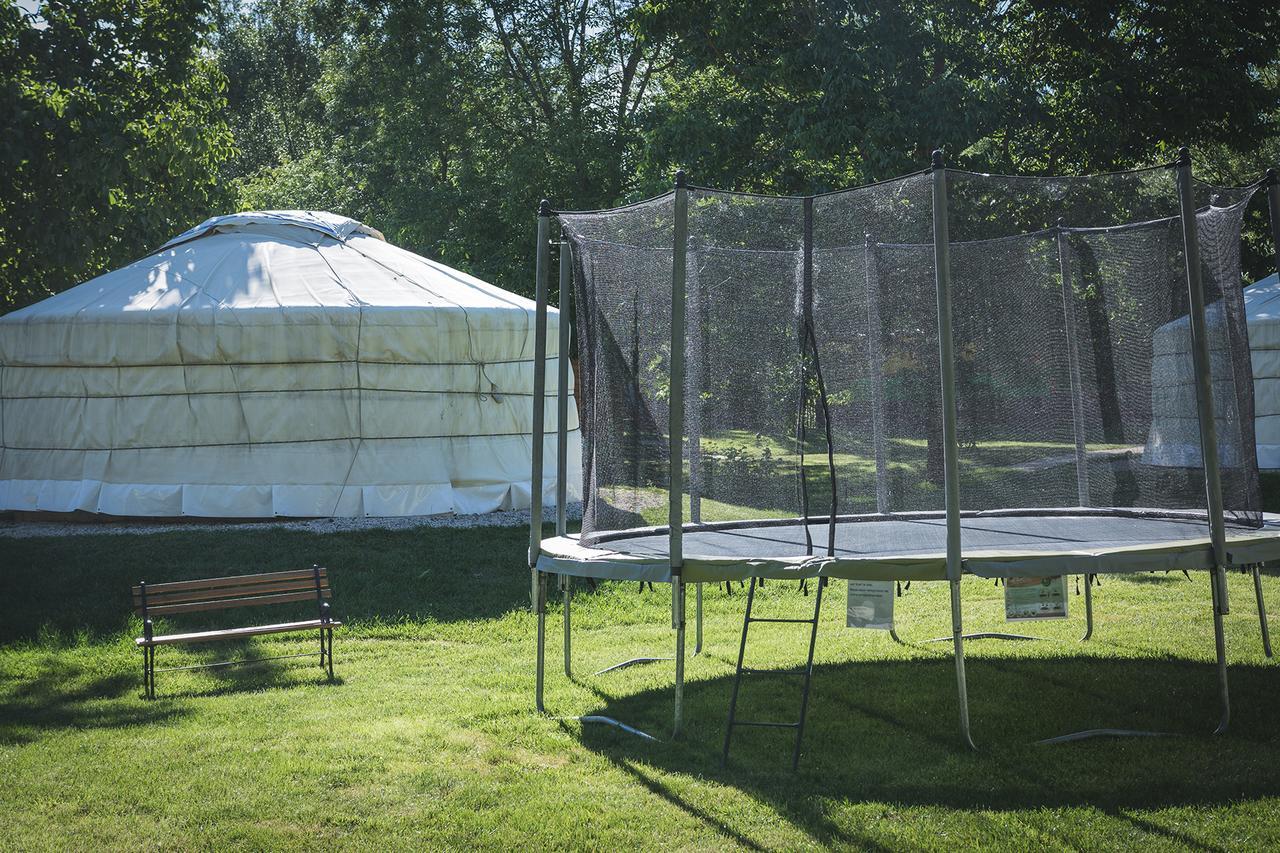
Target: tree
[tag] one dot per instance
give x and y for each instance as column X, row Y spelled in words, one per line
column 443, row 123
column 111, row 134
column 800, row 97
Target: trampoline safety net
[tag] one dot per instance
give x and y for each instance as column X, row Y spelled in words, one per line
column 813, row 387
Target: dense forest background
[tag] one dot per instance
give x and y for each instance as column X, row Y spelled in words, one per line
column 124, row 122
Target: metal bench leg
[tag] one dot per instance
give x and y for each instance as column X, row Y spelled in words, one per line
column 330, row 655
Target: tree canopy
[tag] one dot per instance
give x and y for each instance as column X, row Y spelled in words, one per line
column 112, row 127
column 443, row 122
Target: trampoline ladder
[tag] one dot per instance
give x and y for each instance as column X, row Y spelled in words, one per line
column 806, row 672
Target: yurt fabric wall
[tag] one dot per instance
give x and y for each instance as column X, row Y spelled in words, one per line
column 1262, row 311
column 273, row 364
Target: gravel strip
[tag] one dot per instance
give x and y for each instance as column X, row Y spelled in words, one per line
column 502, row 518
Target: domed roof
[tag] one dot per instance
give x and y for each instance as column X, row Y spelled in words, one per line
column 331, row 224
column 276, row 270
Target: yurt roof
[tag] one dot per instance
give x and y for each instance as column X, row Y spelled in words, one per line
column 1262, row 298
column 265, row 269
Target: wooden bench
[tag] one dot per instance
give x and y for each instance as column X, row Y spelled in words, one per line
column 271, row 588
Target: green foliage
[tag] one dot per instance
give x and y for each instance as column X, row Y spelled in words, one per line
column 123, row 122
column 442, row 124
column 111, row 134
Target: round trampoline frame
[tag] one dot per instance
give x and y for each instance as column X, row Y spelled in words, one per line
column 696, row 553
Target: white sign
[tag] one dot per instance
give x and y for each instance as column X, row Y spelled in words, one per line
column 870, row 605
column 1035, row 598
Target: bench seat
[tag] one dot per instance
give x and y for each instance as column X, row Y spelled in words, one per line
column 234, row 633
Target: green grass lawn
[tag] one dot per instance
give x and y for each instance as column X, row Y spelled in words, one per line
column 429, row 738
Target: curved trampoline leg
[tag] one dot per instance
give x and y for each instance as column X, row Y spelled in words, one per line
column 568, row 596
column 1088, row 607
column 1262, row 610
column 962, row 687
column 1217, row 579
column 541, row 606
column 677, row 609
column 893, row 632
column 697, row 616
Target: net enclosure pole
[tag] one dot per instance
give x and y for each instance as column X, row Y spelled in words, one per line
column 693, row 399
column 539, row 394
column 1272, row 182
column 675, row 412
column 823, row 403
column 693, row 381
column 1077, row 401
column 538, row 598
column 675, row 430
column 562, row 435
column 562, row 390
column 951, row 471
column 1205, row 413
column 1073, row 366
column 1273, row 209
column 876, row 358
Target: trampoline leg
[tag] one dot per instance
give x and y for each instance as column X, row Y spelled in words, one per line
column 677, row 594
column 697, row 619
column 1088, row 607
column 1262, row 610
column 1217, row 580
column 962, row 687
column 567, row 582
column 541, row 606
column 893, row 632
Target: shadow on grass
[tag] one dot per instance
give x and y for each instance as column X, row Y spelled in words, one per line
column 886, row 731
column 250, row 673
column 81, row 584
column 65, row 695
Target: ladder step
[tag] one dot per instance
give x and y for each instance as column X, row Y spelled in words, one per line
column 764, row 725
column 789, row 621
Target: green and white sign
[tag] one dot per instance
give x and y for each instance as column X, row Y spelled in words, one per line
column 1035, row 598
column 870, row 605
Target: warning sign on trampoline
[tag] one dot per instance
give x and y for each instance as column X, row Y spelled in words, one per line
column 1035, row 598
column 870, row 605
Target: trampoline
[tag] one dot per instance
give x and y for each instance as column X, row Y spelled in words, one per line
column 947, row 373
column 912, row 546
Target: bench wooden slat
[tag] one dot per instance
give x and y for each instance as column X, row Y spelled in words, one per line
column 243, row 591
column 227, row 604
column 232, row 633
column 213, row 583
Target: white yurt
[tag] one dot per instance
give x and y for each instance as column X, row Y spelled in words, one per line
column 283, row 363
column 1262, row 310
column 1174, row 438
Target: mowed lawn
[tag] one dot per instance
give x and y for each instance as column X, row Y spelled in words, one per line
column 429, row 738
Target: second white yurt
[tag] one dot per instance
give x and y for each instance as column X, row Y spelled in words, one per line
column 1262, row 311
column 286, row 363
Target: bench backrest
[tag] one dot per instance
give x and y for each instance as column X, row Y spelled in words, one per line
column 160, row 599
